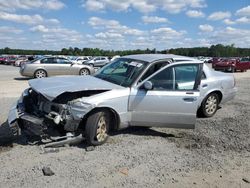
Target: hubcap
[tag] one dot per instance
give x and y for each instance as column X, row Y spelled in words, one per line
column 40, row 74
column 101, row 132
column 84, row 72
column 211, row 104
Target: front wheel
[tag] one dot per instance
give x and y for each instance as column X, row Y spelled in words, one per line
column 40, row 74
column 84, row 72
column 209, row 105
column 97, row 127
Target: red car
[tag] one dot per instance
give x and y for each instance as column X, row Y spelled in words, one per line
column 3, row 60
column 233, row 65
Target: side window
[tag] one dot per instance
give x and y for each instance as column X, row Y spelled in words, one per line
column 152, row 69
column 63, row 61
column 180, row 77
column 48, row 61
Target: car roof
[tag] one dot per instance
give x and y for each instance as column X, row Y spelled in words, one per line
column 156, row 57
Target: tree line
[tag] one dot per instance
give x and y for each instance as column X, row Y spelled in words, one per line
column 218, row 50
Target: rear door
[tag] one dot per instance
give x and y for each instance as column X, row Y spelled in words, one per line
column 49, row 65
column 172, row 102
column 65, row 67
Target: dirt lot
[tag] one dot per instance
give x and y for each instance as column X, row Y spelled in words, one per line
column 215, row 154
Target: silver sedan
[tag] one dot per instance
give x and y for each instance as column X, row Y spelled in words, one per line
column 52, row 66
column 136, row 90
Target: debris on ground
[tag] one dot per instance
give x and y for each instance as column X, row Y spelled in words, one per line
column 124, row 171
column 47, row 171
column 90, row 148
column 246, row 180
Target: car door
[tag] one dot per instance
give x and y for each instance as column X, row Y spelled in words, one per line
column 173, row 100
column 49, row 65
column 64, row 66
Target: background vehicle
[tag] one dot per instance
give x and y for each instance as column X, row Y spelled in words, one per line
column 81, row 59
column 51, row 66
column 97, row 61
column 233, row 65
column 19, row 60
column 10, row 60
column 3, row 59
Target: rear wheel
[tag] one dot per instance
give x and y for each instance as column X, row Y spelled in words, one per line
column 40, row 74
column 84, row 72
column 97, row 127
column 209, row 105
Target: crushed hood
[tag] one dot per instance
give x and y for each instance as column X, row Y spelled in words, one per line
column 55, row 86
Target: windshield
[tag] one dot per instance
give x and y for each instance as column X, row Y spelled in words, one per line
column 121, row 71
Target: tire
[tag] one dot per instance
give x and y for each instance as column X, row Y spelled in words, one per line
column 97, row 128
column 40, row 73
column 84, row 72
column 209, row 105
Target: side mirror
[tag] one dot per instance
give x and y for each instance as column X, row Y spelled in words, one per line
column 148, row 85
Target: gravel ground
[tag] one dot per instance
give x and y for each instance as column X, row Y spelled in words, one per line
column 215, row 154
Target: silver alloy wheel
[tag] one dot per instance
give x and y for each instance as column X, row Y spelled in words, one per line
column 84, row 72
column 211, row 104
column 40, row 74
column 101, row 132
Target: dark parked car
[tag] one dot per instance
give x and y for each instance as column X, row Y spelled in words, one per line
column 233, row 65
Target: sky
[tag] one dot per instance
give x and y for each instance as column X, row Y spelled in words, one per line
column 123, row 24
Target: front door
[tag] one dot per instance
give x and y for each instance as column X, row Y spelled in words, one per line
column 173, row 100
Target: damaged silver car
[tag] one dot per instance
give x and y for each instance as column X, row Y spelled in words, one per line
column 137, row 90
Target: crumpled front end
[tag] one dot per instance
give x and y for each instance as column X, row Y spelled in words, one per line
column 37, row 116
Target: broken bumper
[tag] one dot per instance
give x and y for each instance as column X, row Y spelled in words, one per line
column 12, row 120
column 19, row 119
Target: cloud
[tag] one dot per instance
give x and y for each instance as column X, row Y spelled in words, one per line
column 219, row 15
column 58, row 36
column 40, row 28
column 243, row 11
column 94, row 5
column 144, row 6
column 6, row 29
column 113, row 26
column 12, row 5
column 167, row 33
column 229, row 22
column 231, row 35
column 206, row 28
column 242, row 20
column 26, row 19
column 195, row 14
column 154, row 19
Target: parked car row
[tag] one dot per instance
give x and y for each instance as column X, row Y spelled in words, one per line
column 136, row 90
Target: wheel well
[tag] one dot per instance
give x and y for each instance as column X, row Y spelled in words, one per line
column 38, row 70
column 218, row 93
column 83, row 69
column 115, row 119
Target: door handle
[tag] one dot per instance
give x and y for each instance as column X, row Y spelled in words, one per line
column 190, row 99
column 204, row 85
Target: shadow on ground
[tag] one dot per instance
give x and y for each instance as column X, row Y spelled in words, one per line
column 7, row 139
column 22, row 78
column 142, row 131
